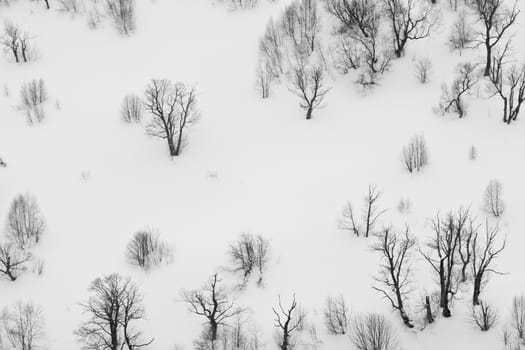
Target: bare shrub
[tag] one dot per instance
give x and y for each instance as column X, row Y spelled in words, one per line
column 451, row 99
column 484, row 316
column 518, row 316
column 147, row 250
column 423, row 70
column 249, row 253
column 264, row 78
column 462, row 35
column 13, row 261
column 372, row 332
column 473, row 153
column 33, row 95
column 336, row 314
column 131, row 109
column 415, row 154
column 404, row 206
column 25, row 223
column 122, row 12
column 308, row 84
column 492, row 199
column 23, row 325
column 370, row 214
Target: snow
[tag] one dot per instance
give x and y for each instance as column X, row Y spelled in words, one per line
column 276, row 174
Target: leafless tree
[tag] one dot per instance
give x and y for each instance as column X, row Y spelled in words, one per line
column 415, row 155
column 372, row 332
column 288, row 320
column 11, row 39
column 33, row 95
column 484, row 316
column 264, row 78
column 301, row 24
column 271, row 49
column 123, row 14
column 393, row 281
column 213, row 303
column 443, row 254
column 24, row 326
column 114, row 306
column 370, row 214
column 462, row 35
column 308, row 84
column 336, row 314
column 13, row 260
column 508, row 83
column 409, row 20
column 249, row 253
column 423, row 70
column 131, row 109
column 146, row 249
column 484, row 254
column 356, row 16
column 518, row 316
column 173, row 107
column 492, row 199
column 451, row 99
column 25, row 223
column 495, row 20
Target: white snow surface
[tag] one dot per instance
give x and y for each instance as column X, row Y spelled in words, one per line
column 277, row 174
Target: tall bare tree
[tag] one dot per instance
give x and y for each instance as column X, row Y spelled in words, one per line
column 213, row 303
column 113, row 308
column 24, row 326
column 393, row 281
column 173, row 107
column 484, row 254
column 12, row 260
column 288, row 320
column 11, row 39
column 495, row 20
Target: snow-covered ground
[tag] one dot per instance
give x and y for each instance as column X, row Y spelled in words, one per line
column 251, row 165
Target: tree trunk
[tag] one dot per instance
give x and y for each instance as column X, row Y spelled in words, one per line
column 309, row 113
column 489, row 60
column 179, row 143
column 430, row 317
column 213, row 330
column 173, row 150
column 477, row 290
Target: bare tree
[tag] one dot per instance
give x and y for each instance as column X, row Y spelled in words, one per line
column 301, row 24
column 442, row 257
column 484, row 254
column 249, row 253
column 518, row 316
column 264, row 78
column 372, row 332
column 495, row 20
column 484, row 316
column 356, row 16
column 394, row 276
column 33, row 95
column 462, row 35
column 173, row 107
column 146, row 249
column 12, row 260
column 271, row 49
column 25, row 223
column 336, row 315
column 131, row 109
column 370, row 214
column 23, row 325
column 308, row 85
column 423, row 70
column 213, row 303
column 11, row 39
column 508, row 84
column 409, row 20
column 123, row 14
column 493, row 203
column 415, row 155
column 113, row 308
column 451, row 99
column 288, row 320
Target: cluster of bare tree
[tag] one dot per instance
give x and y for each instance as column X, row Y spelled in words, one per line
column 452, row 98
column 112, row 310
column 250, row 254
column 173, row 110
column 122, row 13
column 513, row 335
column 369, row 217
column 22, row 327
column 17, row 42
column 131, row 109
column 24, row 228
column 147, row 250
column 415, row 155
column 33, row 96
column 290, row 49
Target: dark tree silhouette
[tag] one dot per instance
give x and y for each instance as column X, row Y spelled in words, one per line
column 308, row 85
column 288, row 320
